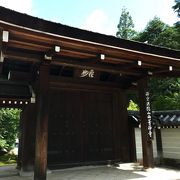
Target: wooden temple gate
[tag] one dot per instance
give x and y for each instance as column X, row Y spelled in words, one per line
column 79, row 80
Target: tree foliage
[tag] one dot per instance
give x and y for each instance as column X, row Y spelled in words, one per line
column 176, row 7
column 125, row 26
column 133, row 106
column 160, row 34
column 9, row 121
column 165, row 93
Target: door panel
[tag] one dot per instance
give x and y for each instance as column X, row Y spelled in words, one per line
column 64, row 128
column 99, row 132
column 80, row 127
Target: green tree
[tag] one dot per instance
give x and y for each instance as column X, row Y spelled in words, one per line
column 169, row 38
column 165, row 92
column 160, row 34
column 9, row 122
column 133, row 106
column 125, row 26
column 176, row 7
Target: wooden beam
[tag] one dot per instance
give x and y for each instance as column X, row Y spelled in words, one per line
column 144, row 65
column 132, row 82
column 22, row 56
column 70, row 49
column 66, row 42
column 19, row 76
column 42, row 124
column 27, row 45
column 45, row 47
column 99, row 67
column 163, row 70
column 19, row 42
column 64, row 61
column 145, row 116
column 65, row 50
column 170, row 75
column 87, row 85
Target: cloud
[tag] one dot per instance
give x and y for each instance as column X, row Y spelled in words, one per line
column 98, row 21
column 24, row 6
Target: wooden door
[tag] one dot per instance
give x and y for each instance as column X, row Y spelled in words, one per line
column 80, row 127
column 98, row 131
column 64, row 128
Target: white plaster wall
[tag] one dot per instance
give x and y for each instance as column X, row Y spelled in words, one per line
column 139, row 144
column 171, row 143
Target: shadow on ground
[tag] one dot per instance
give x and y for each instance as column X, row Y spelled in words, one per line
column 119, row 172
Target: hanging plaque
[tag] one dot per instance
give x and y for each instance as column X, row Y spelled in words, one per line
column 87, row 73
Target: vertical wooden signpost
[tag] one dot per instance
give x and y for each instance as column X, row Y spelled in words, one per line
column 146, row 123
column 42, row 124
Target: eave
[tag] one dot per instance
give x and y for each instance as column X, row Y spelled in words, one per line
column 80, row 49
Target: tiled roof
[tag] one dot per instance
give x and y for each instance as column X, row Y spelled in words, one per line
column 159, row 118
column 168, row 118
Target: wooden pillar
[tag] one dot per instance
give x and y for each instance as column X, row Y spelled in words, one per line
column 27, row 139
column 159, row 144
column 145, row 116
column 132, row 143
column 42, row 124
column 19, row 158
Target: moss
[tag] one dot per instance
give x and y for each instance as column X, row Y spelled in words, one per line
column 8, row 159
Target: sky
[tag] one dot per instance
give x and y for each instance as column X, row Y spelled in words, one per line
column 96, row 15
